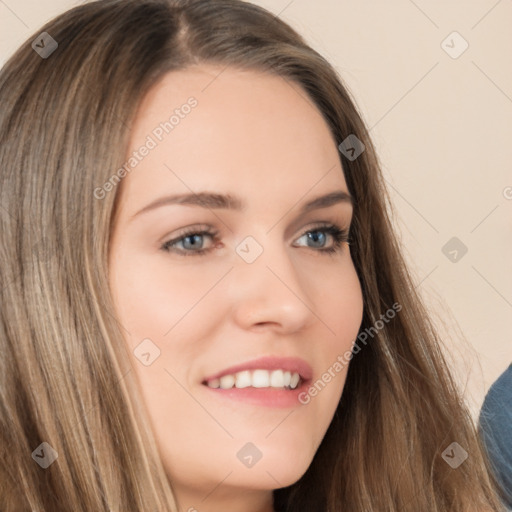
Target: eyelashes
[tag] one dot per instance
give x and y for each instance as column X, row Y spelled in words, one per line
column 338, row 235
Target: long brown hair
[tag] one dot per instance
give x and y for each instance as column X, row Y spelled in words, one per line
column 65, row 375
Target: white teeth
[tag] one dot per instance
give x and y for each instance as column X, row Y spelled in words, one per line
column 260, row 379
column 243, row 379
column 294, row 381
column 257, row 379
column 277, row 379
column 214, row 383
column 227, row 381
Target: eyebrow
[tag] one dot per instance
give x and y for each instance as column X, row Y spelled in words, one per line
column 216, row 201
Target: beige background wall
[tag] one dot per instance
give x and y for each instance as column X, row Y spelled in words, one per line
column 442, row 125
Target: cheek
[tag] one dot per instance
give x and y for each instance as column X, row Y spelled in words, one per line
column 340, row 306
column 153, row 295
column 337, row 293
column 163, row 310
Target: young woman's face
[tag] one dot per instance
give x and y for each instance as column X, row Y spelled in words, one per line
column 260, row 284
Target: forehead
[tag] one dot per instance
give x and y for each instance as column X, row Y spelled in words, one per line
column 247, row 131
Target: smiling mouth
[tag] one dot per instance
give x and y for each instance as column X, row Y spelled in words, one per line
column 260, row 378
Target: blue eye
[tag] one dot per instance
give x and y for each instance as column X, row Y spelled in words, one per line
column 338, row 235
column 192, row 244
column 191, row 240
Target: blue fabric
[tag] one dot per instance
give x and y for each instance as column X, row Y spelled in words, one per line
column 495, row 428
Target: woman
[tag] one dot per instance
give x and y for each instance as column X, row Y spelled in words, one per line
column 262, row 373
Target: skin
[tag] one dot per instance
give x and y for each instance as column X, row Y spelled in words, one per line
column 258, row 137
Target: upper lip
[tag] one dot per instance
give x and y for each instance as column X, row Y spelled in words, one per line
column 291, row 364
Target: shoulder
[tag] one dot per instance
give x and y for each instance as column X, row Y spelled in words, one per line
column 499, row 397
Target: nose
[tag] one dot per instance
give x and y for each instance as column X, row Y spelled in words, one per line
column 269, row 291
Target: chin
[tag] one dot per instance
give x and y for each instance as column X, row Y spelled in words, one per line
column 277, row 468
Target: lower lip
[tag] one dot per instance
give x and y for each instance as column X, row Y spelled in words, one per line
column 265, row 397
